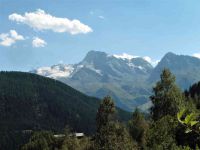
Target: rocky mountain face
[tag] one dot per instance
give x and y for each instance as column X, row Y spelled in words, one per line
column 128, row 80
column 185, row 68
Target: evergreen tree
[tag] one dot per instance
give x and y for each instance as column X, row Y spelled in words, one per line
column 161, row 135
column 167, row 98
column 110, row 134
column 40, row 141
column 138, row 127
column 104, row 118
column 71, row 142
column 105, row 113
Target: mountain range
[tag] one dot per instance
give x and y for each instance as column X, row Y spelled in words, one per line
column 129, row 80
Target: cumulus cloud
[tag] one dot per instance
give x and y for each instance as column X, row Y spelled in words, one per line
column 41, row 20
column 8, row 39
column 38, row 42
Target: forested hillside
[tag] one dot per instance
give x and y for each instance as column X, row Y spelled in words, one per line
column 33, row 102
column 173, row 124
column 30, row 102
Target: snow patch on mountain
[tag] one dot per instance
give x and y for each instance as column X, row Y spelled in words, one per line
column 91, row 62
column 151, row 61
column 197, row 55
column 125, row 56
column 56, row 71
column 88, row 66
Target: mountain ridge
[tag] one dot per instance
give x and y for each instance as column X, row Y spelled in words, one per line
column 32, row 102
column 129, row 79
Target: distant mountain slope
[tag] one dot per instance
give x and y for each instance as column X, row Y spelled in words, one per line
column 126, row 78
column 100, row 74
column 185, row 68
column 33, row 102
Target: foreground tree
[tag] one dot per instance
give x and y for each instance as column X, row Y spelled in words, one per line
column 105, row 113
column 71, row 142
column 138, row 127
column 110, row 134
column 162, row 134
column 40, row 141
column 167, row 98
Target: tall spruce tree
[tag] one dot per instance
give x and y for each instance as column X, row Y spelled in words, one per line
column 138, row 128
column 161, row 135
column 105, row 113
column 110, row 134
column 167, row 98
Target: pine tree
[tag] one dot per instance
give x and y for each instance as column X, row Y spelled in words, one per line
column 110, row 134
column 167, row 98
column 103, row 122
column 138, row 127
column 105, row 112
column 161, row 135
column 40, row 141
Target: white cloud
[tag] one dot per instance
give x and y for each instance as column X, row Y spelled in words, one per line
column 8, row 39
column 41, row 20
column 101, row 17
column 37, row 42
column 196, row 55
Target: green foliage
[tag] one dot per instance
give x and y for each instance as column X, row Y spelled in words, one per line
column 33, row 102
column 193, row 94
column 114, row 136
column 40, row 141
column 72, row 143
column 189, row 120
column 50, row 105
column 110, row 134
column 162, row 134
column 138, row 128
column 189, row 129
column 10, row 140
column 46, row 141
column 167, row 98
column 105, row 112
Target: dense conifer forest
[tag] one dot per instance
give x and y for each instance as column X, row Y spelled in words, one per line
column 30, row 102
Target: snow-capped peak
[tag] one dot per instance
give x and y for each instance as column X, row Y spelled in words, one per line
column 125, row 56
column 148, row 59
column 151, row 61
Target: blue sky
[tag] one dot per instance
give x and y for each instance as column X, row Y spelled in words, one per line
column 137, row 27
